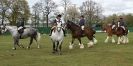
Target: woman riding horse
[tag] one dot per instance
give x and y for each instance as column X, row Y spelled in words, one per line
column 57, row 20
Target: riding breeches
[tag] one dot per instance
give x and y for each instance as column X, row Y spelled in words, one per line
column 113, row 26
column 19, row 28
column 82, row 27
column 123, row 27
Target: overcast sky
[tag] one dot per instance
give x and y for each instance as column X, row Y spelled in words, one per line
column 109, row 6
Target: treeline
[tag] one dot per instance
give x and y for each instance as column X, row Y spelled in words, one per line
column 44, row 10
column 13, row 10
column 128, row 18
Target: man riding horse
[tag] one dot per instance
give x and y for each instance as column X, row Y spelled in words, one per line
column 20, row 26
column 56, row 21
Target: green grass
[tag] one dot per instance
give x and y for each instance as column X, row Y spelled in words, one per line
column 101, row 54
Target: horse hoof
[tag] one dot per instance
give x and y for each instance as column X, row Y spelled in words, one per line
column 53, row 52
column 105, row 41
column 113, row 42
column 60, row 53
column 81, row 46
column 28, row 47
column 70, row 46
column 118, row 43
column 38, row 47
column 95, row 41
column 14, row 48
column 90, row 46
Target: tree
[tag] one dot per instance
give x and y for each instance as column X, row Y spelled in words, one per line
column 3, row 9
column 72, row 13
column 48, row 7
column 37, row 9
column 19, row 9
column 65, row 4
column 14, row 9
column 90, row 10
column 109, row 18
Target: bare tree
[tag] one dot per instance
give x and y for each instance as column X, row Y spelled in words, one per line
column 48, row 7
column 3, row 9
column 91, row 10
column 65, row 4
column 37, row 9
column 72, row 12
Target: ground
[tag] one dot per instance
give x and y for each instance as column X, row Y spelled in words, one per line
column 102, row 54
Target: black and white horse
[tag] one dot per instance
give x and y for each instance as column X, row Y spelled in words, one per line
column 28, row 32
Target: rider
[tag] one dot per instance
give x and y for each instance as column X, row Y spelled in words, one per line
column 20, row 26
column 113, row 24
column 82, row 23
column 122, row 23
column 57, row 20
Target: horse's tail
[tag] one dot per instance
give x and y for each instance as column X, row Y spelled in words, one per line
column 38, row 36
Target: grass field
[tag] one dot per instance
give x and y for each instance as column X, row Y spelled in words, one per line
column 101, row 54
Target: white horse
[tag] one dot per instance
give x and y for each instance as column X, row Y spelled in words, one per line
column 57, row 37
column 28, row 32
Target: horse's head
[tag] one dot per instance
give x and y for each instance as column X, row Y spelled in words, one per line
column 104, row 27
column 68, row 24
column 59, row 27
column 3, row 28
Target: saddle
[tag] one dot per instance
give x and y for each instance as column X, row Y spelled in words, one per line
column 20, row 31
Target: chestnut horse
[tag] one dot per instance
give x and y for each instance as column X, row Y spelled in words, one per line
column 118, row 31
column 108, row 29
column 77, row 33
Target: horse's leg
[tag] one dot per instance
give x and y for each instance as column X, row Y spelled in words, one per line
column 31, row 40
column 56, row 46
column 113, row 40
column 71, row 44
column 53, row 47
column 94, row 40
column 35, row 38
column 91, row 43
column 15, row 42
column 127, row 41
column 60, row 46
column 81, row 45
column 106, row 41
column 119, row 39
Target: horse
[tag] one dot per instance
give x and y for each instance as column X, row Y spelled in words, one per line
column 57, row 37
column 122, row 35
column 108, row 29
column 28, row 32
column 118, row 31
column 77, row 33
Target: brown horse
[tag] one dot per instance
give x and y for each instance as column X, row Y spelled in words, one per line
column 108, row 29
column 77, row 33
column 118, row 31
column 122, row 35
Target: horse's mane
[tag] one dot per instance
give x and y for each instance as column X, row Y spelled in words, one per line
column 73, row 24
